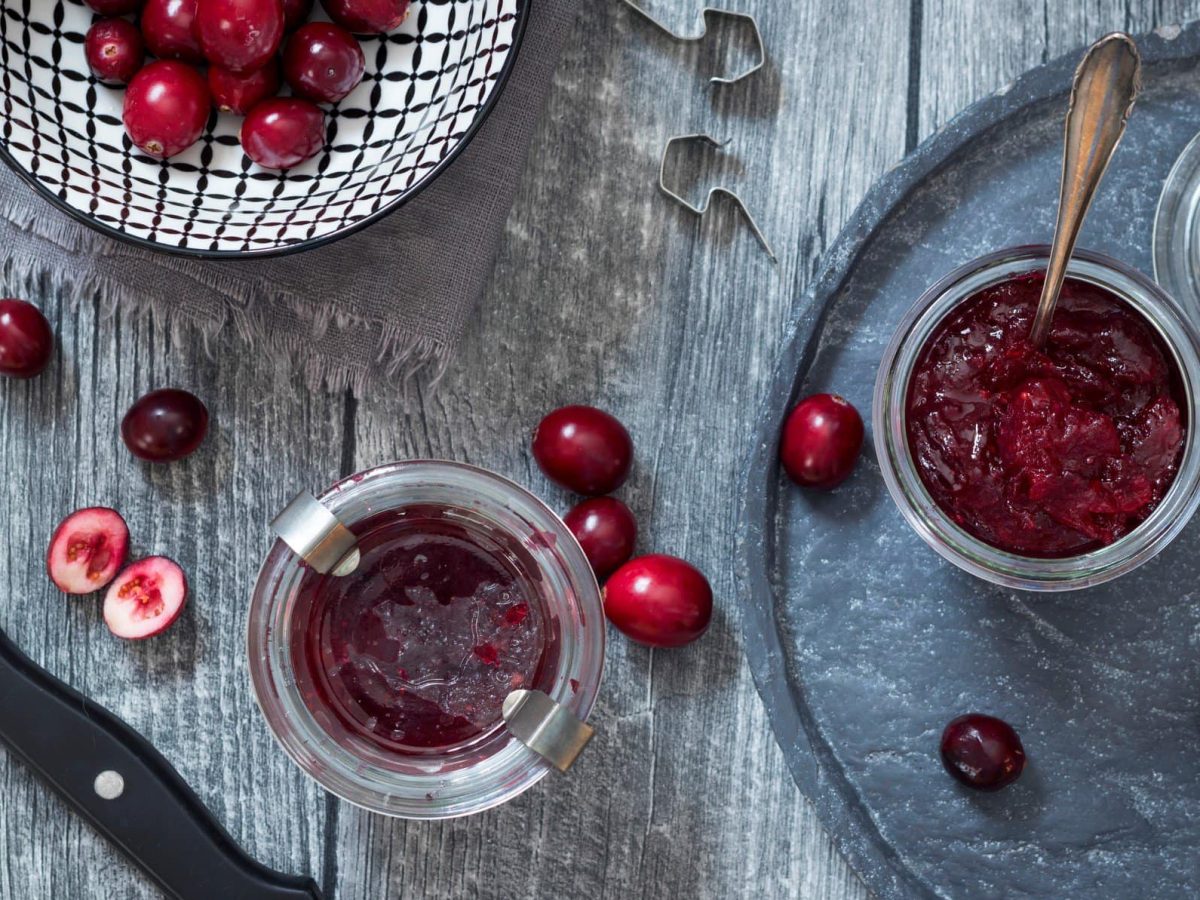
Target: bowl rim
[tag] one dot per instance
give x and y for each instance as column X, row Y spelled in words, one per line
column 523, row 14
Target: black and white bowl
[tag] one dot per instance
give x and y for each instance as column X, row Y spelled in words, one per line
column 428, row 87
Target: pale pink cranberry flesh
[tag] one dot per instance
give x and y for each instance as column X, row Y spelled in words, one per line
column 165, row 425
column 239, row 93
column 283, row 132
column 87, row 550
column 169, row 29
column 821, row 441
column 239, row 35
column 26, row 341
column 115, row 50
column 145, row 599
column 367, row 16
column 982, row 752
column 659, row 600
column 114, row 7
column 606, row 530
column 584, row 449
column 323, row 62
column 166, row 108
column 295, row 13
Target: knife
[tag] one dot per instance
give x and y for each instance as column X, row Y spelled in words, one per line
column 127, row 790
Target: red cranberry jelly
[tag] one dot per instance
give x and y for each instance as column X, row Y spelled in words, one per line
column 1051, row 453
column 418, row 648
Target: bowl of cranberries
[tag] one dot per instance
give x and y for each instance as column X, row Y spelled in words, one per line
column 234, row 128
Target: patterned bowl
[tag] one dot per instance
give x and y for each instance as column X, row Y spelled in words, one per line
column 428, row 87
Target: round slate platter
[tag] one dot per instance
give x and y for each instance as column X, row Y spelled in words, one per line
column 864, row 643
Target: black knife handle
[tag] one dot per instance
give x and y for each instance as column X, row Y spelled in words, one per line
column 157, row 820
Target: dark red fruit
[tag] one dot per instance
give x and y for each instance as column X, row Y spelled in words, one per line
column 145, row 599
column 239, row 35
column 658, row 600
column 283, row 132
column 583, row 449
column 169, row 29
column 295, row 13
column 166, row 108
column 165, row 425
column 821, row 441
column 238, row 94
column 367, row 16
column 87, row 550
column 323, row 62
column 114, row 7
column 26, row 341
column 982, row 752
column 115, row 50
column 606, row 530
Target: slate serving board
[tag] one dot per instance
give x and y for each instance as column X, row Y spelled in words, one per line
column 864, row 643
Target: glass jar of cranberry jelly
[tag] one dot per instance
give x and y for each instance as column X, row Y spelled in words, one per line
column 1051, row 469
column 386, row 684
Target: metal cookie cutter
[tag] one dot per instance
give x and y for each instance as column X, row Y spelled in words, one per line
column 713, row 192
column 705, row 14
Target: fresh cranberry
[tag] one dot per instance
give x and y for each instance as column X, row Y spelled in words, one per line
column 323, row 62
column 821, row 441
column 145, row 599
column 283, row 132
column 26, row 341
column 238, row 94
column 168, row 28
column 659, row 600
column 606, row 530
column 87, row 550
column 982, row 752
column 115, row 50
column 166, row 108
column 295, row 13
column 165, row 425
column 239, row 35
column 583, row 449
column 114, row 7
column 367, row 16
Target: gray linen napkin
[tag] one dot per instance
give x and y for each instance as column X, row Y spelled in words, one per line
column 389, row 301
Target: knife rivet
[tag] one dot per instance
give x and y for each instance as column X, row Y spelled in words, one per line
column 109, row 784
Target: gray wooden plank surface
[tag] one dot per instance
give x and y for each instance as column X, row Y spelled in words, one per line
column 604, row 293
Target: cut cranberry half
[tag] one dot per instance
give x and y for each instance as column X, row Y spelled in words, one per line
column 982, row 752
column 26, row 341
column 169, row 29
column 821, row 441
column 239, row 35
column 283, row 132
column 115, row 50
column 145, row 599
column 323, row 62
column 114, row 7
column 237, row 93
column 606, row 530
column 166, row 108
column 87, row 550
column 583, row 449
column 368, row 16
column 659, row 600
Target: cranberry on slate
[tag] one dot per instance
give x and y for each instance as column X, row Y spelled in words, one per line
column 168, row 26
column 283, row 132
column 323, row 62
column 115, row 50
column 584, row 449
column 659, row 600
column 982, row 752
column 26, row 341
column 606, row 530
column 295, row 13
column 166, row 108
column 239, row 35
column 821, row 441
column 114, row 7
column 367, row 16
column 165, row 425
column 238, row 94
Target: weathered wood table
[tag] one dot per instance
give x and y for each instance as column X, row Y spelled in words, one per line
column 605, row 293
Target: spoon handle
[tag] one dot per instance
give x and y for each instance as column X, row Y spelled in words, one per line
column 1106, row 84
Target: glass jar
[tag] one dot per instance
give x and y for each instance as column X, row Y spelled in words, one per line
column 486, row 770
column 1179, row 334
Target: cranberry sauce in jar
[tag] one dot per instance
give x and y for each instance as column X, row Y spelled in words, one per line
column 1045, row 453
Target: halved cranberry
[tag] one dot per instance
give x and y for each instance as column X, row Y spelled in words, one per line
column 26, row 341
column 239, row 35
column 583, row 449
column 169, row 29
column 295, row 13
column 606, row 530
column 283, row 132
column 659, row 600
column 115, row 50
column 166, row 108
column 821, row 441
column 238, row 94
column 367, row 16
column 114, row 7
column 165, row 425
column 323, row 62
column 982, row 752
column 87, row 549
column 145, row 599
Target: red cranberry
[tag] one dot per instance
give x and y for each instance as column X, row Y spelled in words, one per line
column 165, row 425
column 658, row 600
column 606, row 530
column 583, row 449
column 821, row 441
column 982, row 752
column 114, row 7
column 323, row 62
column 295, row 13
column 115, row 50
column 283, row 132
column 367, row 16
column 239, row 35
column 238, row 94
column 26, row 341
column 168, row 28
column 166, row 108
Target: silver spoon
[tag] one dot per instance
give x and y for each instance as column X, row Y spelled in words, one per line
column 1106, row 84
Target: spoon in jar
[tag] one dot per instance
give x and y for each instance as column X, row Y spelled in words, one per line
column 1106, row 84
